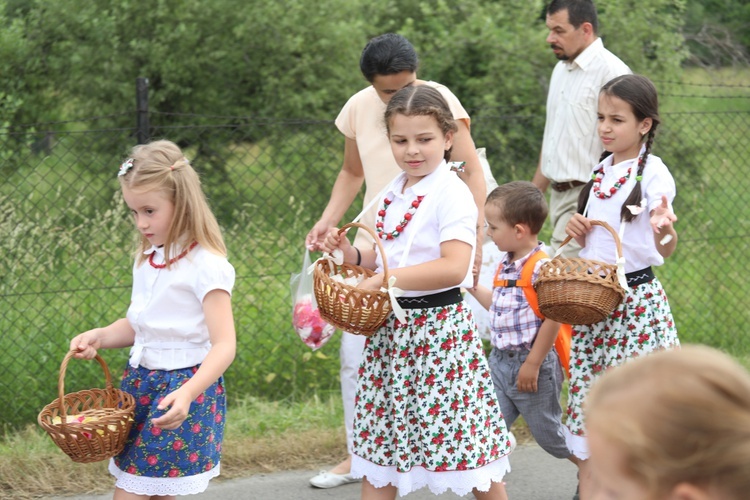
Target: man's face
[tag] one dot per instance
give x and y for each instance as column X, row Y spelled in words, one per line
column 565, row 40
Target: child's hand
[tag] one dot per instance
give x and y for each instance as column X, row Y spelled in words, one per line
column 662, row 216
column 86, row 344
column 528, row 375
column 334, row 240
column 371, row 283
column 578, row 226
column 179, row 401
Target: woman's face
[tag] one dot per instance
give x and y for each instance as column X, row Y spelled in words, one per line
column 387, row 85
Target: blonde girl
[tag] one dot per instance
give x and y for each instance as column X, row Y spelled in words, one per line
column 673, row 425
column 426, row 413
column 179, row 326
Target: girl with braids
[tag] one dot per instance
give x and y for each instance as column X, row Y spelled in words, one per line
column 632, row 190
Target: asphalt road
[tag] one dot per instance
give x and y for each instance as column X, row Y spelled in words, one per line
column 535, row 475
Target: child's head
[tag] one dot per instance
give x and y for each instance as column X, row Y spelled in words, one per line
column 420, row 127
column 674, row 422
column 159, row 174
column 628, row 115
column 389, row 62
column 515, row 214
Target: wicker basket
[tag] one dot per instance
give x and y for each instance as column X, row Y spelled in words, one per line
column 344, row 306
column 100, row 419
column 579, row 291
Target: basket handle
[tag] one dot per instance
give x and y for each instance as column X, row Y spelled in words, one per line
column 386, row 274
column 605, row 226
column 61, row 381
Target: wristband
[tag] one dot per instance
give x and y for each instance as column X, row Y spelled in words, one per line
column 359, row 256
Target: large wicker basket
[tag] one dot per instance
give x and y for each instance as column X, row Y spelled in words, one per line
column 89, row 425
column 579, row 291
column 344, row 306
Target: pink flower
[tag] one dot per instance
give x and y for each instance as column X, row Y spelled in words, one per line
column 152, row 460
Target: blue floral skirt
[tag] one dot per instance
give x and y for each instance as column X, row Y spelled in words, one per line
column 170, row 462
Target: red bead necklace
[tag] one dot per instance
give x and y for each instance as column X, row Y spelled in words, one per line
column 598, row 175
column 380, row 222
column 171, row 261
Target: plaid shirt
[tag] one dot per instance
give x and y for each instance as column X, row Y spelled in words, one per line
column 512, row 321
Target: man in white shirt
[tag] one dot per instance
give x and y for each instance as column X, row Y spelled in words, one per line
column 571, row 146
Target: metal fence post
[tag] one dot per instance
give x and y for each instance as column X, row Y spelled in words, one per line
column 142, row 132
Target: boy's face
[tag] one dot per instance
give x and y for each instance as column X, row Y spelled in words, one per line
column 502, row 234
column 387, row 85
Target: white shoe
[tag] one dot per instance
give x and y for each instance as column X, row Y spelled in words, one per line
column 512, row 440
column 330, row 480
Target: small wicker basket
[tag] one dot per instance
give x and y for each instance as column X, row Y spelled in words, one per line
column 101, row 418
column 579, row 291
column 347, row 307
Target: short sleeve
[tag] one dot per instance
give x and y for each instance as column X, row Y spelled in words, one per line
column 657, row 182
column 459, row 113
column 457, row 213
column 214, row 273
column 345, row 121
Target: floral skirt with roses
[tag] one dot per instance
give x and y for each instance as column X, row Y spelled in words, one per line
column 170, row 462
column 641, row 324
column 426, row 411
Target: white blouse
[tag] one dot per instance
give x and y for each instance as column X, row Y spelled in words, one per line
column 166, row 309
column 638, row 243
column 447, row 212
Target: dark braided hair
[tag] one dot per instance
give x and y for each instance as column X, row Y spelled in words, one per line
column 640, row 93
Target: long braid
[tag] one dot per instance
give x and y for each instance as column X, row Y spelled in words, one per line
column 634, row 198
column 583, row 196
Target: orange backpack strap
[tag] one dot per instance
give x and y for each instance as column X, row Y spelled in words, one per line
column 565, row 334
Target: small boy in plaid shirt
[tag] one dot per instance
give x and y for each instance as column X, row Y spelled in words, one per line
column 525, row 368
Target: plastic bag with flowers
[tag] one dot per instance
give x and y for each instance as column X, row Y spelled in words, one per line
column 308, row 324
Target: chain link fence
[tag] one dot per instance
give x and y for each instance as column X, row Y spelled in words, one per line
column 66, row 239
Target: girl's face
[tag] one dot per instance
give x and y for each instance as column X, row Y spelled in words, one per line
column 152, row 213
column 619, row 130
column 608, row 470
column 418, row 145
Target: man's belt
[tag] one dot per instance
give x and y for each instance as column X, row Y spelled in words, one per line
column 561, row 187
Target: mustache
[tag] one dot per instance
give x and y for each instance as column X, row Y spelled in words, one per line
column 553, row 46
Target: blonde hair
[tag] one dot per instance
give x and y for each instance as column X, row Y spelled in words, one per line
column 679, row 416
column 161, row 166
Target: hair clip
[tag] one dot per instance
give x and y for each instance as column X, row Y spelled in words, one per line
column 639, row 178
column 125, row 167
column 457, row 166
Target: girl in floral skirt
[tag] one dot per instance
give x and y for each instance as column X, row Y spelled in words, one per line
column 632, row 190
column 180, row 327
column 426, row 411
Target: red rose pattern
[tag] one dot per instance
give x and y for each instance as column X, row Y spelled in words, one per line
column 641, row 324
column 193, row 448
column 425, row 395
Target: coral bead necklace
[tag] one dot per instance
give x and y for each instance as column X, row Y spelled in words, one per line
column 171, row 261
column 380, row 222
column 598, row 175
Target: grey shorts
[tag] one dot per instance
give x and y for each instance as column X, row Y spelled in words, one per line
column 541, row 410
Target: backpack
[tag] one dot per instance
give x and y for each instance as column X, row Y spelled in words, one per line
column 565, row 334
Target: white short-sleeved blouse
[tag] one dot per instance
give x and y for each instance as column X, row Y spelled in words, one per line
column 638, row 244
column 447, row 212
column 166, row 309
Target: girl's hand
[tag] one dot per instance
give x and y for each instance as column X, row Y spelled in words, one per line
column 372, row 283
column 334, row 240
column 179, row 401
column 86, row 344
column 578, row 226
column 662, row 216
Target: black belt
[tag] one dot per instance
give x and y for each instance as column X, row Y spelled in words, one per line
column 561, row 187
column 446, row 298
column 639, row 277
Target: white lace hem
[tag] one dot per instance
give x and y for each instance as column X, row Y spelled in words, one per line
column 165, row 486
column 461, row 482
column 578, row 445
